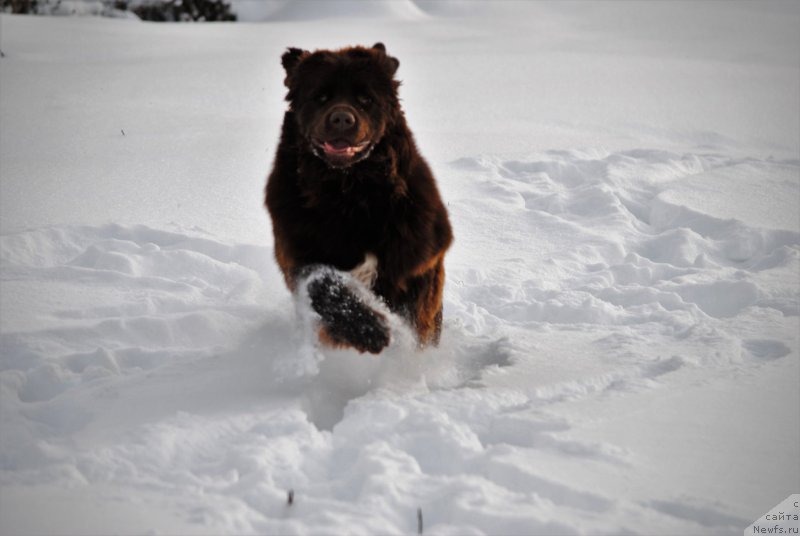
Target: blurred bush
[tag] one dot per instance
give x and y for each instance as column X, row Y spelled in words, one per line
column 29, row 7
column 180, row 10
column 151, row 10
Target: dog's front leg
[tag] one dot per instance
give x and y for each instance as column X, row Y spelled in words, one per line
column 346, row 319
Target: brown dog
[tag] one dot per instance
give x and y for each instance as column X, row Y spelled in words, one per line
column 349, row 192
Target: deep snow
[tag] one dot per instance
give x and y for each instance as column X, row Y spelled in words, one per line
column 620, row 350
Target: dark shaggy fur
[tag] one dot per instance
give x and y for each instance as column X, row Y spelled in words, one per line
column 348, row 181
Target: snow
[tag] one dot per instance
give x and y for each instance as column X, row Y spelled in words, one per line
column 620, row 351
column 348, row 9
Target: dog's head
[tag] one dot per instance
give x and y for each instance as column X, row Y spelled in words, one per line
column 344, row 100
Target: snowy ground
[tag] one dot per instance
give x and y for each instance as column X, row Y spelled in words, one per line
column 620, row 352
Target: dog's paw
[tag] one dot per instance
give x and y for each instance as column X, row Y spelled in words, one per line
column 373, row 342
column 346, row 319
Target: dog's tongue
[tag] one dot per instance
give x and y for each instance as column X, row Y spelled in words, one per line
column 337, row 146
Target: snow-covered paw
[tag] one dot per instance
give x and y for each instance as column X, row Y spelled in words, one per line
column 346, row 320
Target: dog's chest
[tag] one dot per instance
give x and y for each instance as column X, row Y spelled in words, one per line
column 358, row 209
column 344, row 230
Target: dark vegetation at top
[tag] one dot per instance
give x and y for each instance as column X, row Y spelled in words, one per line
column 150, row 10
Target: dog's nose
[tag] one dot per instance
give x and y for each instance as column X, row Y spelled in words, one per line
column 341, row 120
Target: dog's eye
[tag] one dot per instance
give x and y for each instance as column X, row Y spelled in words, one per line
column 364, row 100
column 322, row 98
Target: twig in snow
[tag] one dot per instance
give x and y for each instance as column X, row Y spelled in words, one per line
column 122, row 130
column 290, row 497
column 419, row 520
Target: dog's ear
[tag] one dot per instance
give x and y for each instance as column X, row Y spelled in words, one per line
column 392, row 62
column 290, row 60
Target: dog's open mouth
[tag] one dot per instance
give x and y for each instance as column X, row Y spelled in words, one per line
column 340, row 153
column 340, row 148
